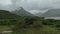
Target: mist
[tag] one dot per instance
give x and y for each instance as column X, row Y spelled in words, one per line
column 32, row 6
column 40, row 4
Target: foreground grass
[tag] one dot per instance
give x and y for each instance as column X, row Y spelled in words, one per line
column 44, row 30
column 6, row 27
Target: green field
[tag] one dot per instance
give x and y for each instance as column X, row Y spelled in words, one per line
column 44, row 30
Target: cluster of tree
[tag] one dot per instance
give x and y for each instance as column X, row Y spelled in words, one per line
column 8, row 22
column 52, row 22
column 48, row 21
column 29, row 22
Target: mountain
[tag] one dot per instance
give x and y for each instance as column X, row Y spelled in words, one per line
column 22, row 12
column 4, row 14
column 52, row 13
column 38, row 14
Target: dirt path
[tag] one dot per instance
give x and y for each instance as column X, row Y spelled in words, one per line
column 5, row 32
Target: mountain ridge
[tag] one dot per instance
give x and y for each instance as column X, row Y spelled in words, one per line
column 22, row 12
column 6, row 14
column 52, row 13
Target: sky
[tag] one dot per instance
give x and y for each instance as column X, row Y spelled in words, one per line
column 2, row 2
column 8, row 5
column 32, row 6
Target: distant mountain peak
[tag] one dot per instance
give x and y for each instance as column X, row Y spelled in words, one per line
column 22, row 12
column 52, row 13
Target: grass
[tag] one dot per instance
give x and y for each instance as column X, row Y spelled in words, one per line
column 6, row 27
column 44, row 30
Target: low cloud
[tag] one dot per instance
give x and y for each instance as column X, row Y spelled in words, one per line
column 30, row 5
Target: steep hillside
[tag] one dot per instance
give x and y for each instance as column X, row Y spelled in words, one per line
column 6, row 14
column 22, row 12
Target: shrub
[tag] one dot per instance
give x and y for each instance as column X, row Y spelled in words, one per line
column 37, row 24
column 48, row 22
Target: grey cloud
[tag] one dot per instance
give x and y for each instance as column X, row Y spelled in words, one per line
column 40, row 4
column 30, row 5
column 8, row 5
